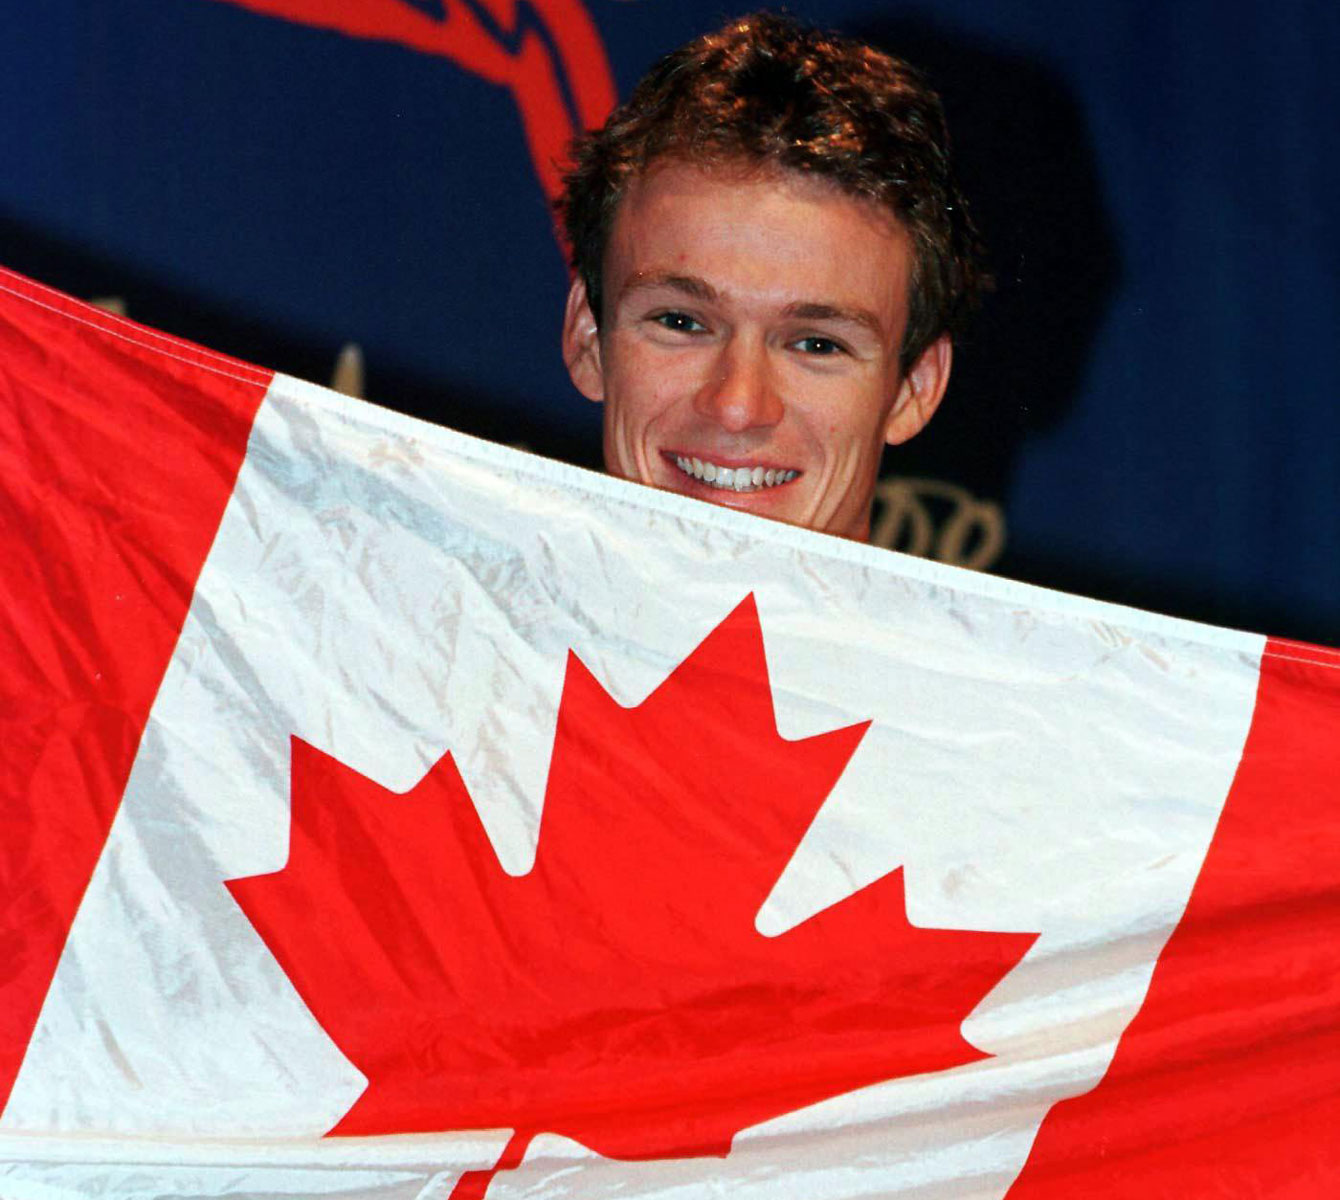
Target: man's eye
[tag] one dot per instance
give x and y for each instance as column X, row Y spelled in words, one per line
column 821, row 346
column 678, row 321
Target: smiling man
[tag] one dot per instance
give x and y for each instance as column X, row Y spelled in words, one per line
column 771, row 259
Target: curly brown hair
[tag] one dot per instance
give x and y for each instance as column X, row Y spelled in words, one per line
column 767, row 90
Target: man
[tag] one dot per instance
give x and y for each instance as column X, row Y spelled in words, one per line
column 771, row 259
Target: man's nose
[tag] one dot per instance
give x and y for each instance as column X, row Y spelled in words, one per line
column 741, row 393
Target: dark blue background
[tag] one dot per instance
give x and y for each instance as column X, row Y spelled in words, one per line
column 1152, row 393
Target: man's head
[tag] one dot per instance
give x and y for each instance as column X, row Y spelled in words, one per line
column 771, row 257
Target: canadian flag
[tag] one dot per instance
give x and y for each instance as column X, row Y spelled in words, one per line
column 391, row 814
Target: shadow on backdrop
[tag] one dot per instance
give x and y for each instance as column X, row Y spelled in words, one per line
column 1026, row 164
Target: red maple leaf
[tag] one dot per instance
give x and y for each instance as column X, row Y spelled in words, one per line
column 619, row 993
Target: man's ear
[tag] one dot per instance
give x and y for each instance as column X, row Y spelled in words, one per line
column 920, row 393
column 581, row 343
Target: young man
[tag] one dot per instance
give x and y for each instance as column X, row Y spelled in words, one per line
column 771, row 258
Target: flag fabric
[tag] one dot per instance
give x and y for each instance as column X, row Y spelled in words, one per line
column 391, row 814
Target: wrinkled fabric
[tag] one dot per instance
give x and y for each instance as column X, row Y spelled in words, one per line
column 388, row 593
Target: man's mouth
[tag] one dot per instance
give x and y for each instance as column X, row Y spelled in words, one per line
column 733, row 479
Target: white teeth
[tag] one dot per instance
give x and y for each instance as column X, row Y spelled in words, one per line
column 735, row 479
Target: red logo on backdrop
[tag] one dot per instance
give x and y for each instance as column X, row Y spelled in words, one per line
column 618, row 994
column 547, row 53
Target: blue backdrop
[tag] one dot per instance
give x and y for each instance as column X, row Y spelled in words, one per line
column 1151, row 395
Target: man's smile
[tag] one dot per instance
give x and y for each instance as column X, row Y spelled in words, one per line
column 736, row 477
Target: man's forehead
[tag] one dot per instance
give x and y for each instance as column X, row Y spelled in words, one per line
column 673, row 191
column 793, row 243
column 742, row 171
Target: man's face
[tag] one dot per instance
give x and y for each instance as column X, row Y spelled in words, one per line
column 749, row 349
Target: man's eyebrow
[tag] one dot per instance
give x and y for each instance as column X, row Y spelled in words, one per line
column 697, row 288
column 693, row 286
column 813, row 310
